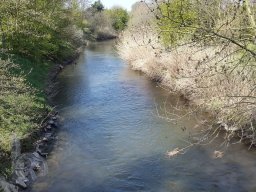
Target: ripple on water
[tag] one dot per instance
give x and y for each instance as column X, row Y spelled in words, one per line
column 111, row 139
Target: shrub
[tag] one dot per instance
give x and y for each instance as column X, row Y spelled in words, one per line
column 119, row 18
column 217, row 75
column 178, row 20
column 20, row 109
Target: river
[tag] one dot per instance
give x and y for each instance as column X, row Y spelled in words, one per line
column 112, row 140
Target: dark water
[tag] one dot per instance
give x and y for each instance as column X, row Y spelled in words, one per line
column 111, row 139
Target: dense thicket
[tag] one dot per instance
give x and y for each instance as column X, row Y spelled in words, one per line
column 41, row 28
column 35, row 34
column 105, row 23
column 46, row 29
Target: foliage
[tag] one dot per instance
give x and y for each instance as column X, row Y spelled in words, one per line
column 100, row 26
column 178, row 20
column 207, row 21
column 20, row 108
column 97, row 6
column 33, row 35
column 119, row 17
column 105, row 23
column 206, row 52
column 38, row 29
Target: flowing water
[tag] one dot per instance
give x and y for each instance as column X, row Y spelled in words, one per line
column 112, row 140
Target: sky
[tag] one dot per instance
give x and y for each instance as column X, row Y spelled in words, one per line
column 127, row 4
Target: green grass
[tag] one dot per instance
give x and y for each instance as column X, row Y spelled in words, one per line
column 35, row 73
column 22, row 102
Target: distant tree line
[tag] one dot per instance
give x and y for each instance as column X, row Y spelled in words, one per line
column 53, row 29
column 105, row 23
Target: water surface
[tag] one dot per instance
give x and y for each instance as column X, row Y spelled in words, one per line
column 112, row 140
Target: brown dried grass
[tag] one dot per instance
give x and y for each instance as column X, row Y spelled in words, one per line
column 214, row 78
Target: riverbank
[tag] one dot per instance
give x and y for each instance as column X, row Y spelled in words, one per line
column 111, row 138
column 41, row 133
column 30, row 47
column 205, row 79
column 23, row 103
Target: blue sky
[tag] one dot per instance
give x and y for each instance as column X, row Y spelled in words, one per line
column 127, row 4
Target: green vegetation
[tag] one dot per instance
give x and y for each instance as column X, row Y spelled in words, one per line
column 34, row 36
column 97, row 6
column 21, row 109
column 105, row 23
column 211, row 22
column 204, row 50
column 119, row 18
column 41, row 29
column 178, row 20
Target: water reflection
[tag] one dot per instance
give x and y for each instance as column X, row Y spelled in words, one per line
column 111, row 139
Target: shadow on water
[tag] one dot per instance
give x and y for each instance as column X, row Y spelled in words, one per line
column 149, row 174
column 111, row 139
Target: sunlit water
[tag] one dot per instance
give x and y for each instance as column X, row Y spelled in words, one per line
column 111, row 139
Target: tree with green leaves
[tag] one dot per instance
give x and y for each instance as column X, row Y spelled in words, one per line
column 119, row 17
column 98, row 6
column 39, row 29
column 34, row 34
column 105, row 23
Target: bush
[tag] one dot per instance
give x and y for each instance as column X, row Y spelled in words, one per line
column 20, row 109
column 39, row 30
column 105, row 23
column 119, row 18
column 178, row 20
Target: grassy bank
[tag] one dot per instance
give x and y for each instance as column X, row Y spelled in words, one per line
column 35, row 36
column 23, row 101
